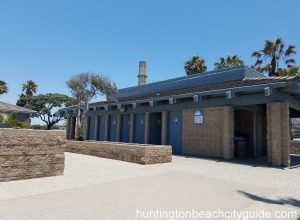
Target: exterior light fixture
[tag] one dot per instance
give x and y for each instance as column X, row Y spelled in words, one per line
column 268, row 91
column 196, row 98
column 119, row 106
column 172, row 101
column 229, row 95
column 151, row 103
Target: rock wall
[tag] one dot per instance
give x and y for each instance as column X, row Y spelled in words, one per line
column 135, row 153
column 295, row 147
column 26, row 154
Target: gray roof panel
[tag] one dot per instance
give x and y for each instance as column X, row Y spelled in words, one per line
column 217, row 76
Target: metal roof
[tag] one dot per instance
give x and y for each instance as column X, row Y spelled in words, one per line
column 8, row 108
column 218, row 82
column 247, row 84
column 212, row 77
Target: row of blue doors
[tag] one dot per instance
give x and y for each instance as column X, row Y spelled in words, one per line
column 174, row 129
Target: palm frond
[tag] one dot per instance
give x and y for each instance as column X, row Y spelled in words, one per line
column 290, row 50
column 256, row 54
column 290, row 61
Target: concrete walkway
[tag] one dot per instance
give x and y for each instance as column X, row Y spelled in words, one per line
column 96, row 188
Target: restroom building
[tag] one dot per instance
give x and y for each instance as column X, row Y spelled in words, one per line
column 229, row 113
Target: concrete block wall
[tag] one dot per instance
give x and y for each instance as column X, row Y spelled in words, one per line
column 135, row 153
column 213, row 138
column 278, row 135
column 26, row 154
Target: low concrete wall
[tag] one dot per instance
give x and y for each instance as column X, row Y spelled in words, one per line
column 295, row 147
column 26, row 154
column 136, row 153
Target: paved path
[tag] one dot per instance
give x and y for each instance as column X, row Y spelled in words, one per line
column 96, row 188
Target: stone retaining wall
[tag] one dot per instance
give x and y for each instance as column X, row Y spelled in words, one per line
column 295, row 147
column 26, row 154
column 135, row 153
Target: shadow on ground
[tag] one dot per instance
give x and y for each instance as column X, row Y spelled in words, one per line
column 281, row 201
column 257, row 162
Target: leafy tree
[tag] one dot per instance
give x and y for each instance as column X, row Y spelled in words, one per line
column 29, row 88
column 273, row 53
column 45, row 106
column 195, row 65
column 84, row 87
column 229, row 61
column 291, row 71
column 3, row 87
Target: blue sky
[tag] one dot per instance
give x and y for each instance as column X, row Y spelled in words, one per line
column 49, row 41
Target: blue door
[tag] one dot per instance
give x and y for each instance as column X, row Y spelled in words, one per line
column 91, row 128
column 139, row 128
column 125, row 127
column 112, row 129
column 175, row 131
column 155, row 128
column 100, row 128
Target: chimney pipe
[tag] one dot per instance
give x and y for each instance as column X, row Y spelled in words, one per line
column 142, row 73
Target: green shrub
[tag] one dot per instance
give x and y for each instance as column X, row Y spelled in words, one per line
column 1, row 118
column 79, row 137
column 13, row 122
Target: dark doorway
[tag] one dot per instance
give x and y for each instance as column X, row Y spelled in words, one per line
column 125, row 127
column 243, row 134
column 139, row 128
column 175, row 131
column 295, row 136
column 112, row 129
column 155, row 128
column 91, row 128
column 73, row 127
column 250, row 132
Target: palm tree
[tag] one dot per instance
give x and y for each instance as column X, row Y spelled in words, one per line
column 229, row 61
column 29, row 87
column 268, row 59
column 195, row 65
column 3, row 87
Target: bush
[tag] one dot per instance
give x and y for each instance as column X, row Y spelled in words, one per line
column 79, row 138
column 13, row 122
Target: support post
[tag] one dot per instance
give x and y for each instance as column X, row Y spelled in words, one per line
column 164, row 127
column 146, row 132
column 118, row 127
column 131, row 129
column 105, row 127
column 278, row 135
column 96, row 127
column 228, row 133
column 84, row 121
